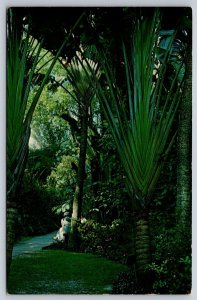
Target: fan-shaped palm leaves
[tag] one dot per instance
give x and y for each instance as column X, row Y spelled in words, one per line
column 24, row 54
column 79, row 76
column 142, row 125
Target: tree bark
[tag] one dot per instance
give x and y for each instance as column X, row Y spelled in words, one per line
column 78, row 195
column 11, row 216
column 183, row 205
column 142, row 244
column 14, row 176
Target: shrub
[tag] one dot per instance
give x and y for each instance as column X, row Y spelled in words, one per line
column 109, row 203
column 172, row 276
column 125, row 284
column 172, row 263
column 35, row 211
column 130, row 283
column 112, row 241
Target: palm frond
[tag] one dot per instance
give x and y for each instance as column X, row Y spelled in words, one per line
column 79, row 74
column 143, row 136
column 19, row 81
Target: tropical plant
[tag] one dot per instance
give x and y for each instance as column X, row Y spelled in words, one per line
column 142, row 125
column 23, row 55
column 83, row 93
column 171, row 266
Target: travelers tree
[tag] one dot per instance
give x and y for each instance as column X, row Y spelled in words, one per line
column 83, row 94
column 23, row 55
column 142, row 125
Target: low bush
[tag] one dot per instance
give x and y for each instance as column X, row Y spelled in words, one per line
column 129, row 283
column 124, row 284
column 112, row 241
column 35, row 216
column 172, row 276
column 171, row 262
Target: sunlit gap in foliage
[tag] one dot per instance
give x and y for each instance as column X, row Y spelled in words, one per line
column 33, row 141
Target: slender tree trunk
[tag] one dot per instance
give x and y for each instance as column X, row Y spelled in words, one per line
column 78, row 195
column 11, row 216
column 95, row 171
column 183, row 205
column 95, row 161
column 142, row 245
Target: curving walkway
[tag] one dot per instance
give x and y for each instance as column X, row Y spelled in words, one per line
column 33, row 244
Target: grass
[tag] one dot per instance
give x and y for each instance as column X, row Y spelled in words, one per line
column 60, row 272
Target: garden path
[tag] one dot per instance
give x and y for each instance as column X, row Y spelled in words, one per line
column 33, row 244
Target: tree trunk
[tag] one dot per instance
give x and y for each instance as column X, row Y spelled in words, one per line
column 183, row 205
column 95, row 172
column 11, row 216
column 78, row 195
column 142, row 245
column 14, row 176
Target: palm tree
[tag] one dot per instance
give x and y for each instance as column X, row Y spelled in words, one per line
column 23, row 56
column 83, row 93
column 142, row 125
column 19, row 80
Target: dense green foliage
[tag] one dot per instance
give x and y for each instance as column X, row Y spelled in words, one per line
column 114, row 242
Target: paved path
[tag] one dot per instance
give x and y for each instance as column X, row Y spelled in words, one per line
column 34, row 244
